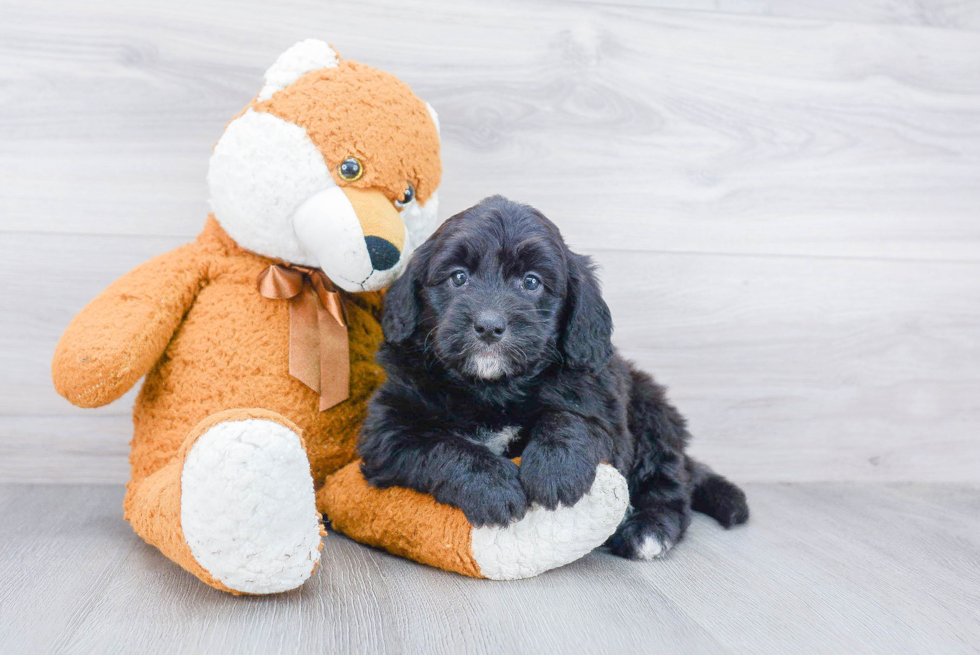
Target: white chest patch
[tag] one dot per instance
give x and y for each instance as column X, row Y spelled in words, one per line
column 497, row 442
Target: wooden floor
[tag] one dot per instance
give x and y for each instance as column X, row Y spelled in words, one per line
column 821, row 568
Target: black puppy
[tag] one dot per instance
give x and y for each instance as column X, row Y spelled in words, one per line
column 497, row 344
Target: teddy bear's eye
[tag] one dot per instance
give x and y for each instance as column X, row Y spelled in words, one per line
column 351, row 169
column 409, row 196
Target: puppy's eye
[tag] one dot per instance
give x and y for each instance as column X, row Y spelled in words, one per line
column 351, row 169
column 409, row 197
column 531, row 282
column 459, row 278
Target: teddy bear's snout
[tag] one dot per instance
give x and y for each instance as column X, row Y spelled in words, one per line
column 356, row 236
column 378, row 218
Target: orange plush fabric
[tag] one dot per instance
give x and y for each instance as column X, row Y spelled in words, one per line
column 211, row 346
column 229, row 348
column 153, row 506
column 193, row 322
column 354, row 109
column 402, row 521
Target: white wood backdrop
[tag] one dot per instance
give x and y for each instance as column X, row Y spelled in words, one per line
column 784, row 196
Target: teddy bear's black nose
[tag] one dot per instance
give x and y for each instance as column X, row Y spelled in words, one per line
column 383, row 253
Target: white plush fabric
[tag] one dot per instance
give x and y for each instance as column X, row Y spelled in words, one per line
column 435, row 118
column 302, row 58
column 420, row 220
column 545, row 539
column 272, row 192
column 265, row 169
column 248, row 509
column 262, row 169
column 330, row 232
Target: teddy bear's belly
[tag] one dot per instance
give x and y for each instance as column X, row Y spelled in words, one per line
column 232, row 351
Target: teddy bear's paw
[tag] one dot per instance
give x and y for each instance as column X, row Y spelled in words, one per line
column 545, row 539
column 248, row 510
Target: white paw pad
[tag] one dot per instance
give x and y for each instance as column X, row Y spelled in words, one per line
column 248, row 509
column 546, row 539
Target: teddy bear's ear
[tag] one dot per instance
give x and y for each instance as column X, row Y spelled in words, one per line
column 435, row 117
column 305, row 56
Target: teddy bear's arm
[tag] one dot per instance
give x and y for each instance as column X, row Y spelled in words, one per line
column 117, row 337
column 412, row 524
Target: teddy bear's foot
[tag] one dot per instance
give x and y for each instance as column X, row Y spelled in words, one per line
column 414, row 525
column 248, row 508
column 545, row 539
column 237, row 506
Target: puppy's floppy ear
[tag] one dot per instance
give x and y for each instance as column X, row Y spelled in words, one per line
column 403, row 303
column 587, row 337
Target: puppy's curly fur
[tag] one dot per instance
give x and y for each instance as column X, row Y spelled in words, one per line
column 497, row 344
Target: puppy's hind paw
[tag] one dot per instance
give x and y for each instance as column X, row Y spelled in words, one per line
column 638, row 539
column 642, row 548
column 652, row 547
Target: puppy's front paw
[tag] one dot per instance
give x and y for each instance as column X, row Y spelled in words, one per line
column 551, row 475
column 493, row 496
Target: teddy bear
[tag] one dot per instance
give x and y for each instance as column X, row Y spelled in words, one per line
column 257, row 342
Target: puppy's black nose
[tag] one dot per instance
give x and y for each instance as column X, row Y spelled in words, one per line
column 490, row 326
column 383, row 253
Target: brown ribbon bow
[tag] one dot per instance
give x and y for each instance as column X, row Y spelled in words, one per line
column 319, row 350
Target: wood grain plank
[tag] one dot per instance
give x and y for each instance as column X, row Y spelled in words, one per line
column 809, row 145
column 810, row 369
column 847, row 567
column 58, row 278
column 819, row 568
column 940, row 14
column 81, row 447
column 366, row 601
column 788, row 368
column 687, row 131
column 59, row 548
